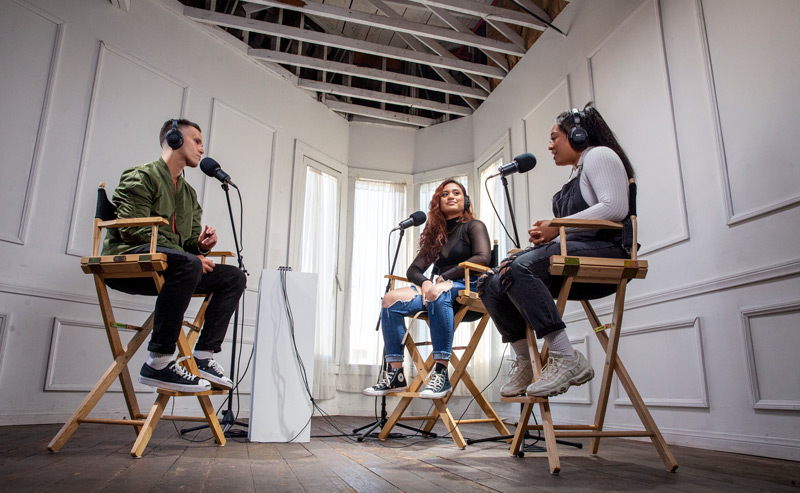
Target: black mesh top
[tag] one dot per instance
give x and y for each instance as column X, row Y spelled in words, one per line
column 466, row 242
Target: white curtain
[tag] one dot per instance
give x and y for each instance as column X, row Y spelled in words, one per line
column 319, row 255
column 378, row 207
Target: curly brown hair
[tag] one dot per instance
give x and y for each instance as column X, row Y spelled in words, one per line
column 434, row 236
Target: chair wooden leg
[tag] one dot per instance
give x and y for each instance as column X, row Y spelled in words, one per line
column 450, row 423
column 211, row 417
column 522, row 427
column 100, row 388
column 636, row 399
column 394, row 417
column 550, row 437
column 149, row 425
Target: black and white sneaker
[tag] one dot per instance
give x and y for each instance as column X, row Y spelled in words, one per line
column 173, row 377
column 214, row 373
column 439, row 384
column 393, row 381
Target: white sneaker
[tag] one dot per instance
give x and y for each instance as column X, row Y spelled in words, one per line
column 560, row 374
column 519, row 377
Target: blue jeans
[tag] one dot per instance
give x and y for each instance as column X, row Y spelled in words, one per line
column 528, row 298
column 440, row 318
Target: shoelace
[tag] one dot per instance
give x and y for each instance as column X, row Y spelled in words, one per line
column 181, row 371
column 437, row 382
column 514, row 368
column 216, row 366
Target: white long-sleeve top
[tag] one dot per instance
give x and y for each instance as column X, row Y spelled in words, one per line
column 604, row 185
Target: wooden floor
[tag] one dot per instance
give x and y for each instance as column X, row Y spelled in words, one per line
column 97, row 459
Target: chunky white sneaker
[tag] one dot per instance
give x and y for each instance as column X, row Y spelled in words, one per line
column 519, row 377
column 560, row 374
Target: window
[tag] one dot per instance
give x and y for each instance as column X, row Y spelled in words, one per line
column 378, row 206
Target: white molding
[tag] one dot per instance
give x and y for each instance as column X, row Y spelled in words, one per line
column 683, row 235
column 623, row 400
column 770, row 273
column 215, row 103
column 41, row 132
column 79, row 184
column 4, row 317
column 752, row 365
column 733, row 217
column 61, row 328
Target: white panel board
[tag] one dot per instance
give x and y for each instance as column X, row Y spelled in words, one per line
column 132, row 138
column 772, row 337
column 631, row 90
column 538, row 123
column 242, row 145
column 755, row 83
column 280, row 409
column 29, row 43
column 666, row 363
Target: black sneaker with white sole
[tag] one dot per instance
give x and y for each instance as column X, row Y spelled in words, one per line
column 173, row 377
column 439, row 384
column 393, row 381
column 213, row 372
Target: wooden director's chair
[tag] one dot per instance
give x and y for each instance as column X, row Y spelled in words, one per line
column 591, row 270
column 471, row 309
column 147, row 265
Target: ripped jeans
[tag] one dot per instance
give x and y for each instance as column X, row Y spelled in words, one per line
column 440, row 318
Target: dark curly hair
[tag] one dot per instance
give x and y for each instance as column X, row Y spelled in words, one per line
column 434, row 236
column 599, row 132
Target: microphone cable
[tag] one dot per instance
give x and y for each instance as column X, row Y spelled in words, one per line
column 486, row 186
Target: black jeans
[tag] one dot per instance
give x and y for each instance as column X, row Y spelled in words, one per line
column 528, row 300
column 182, row 278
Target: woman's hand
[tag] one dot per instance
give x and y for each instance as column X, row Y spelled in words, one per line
column 541, row 232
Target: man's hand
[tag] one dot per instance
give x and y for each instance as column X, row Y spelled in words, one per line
column 207, row 239
column 541, row 232
column 208, row 264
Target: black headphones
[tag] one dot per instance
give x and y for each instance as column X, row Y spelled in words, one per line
column 578, row 136
column 174, row 137
column 467, row 203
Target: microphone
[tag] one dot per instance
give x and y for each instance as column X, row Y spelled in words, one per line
column 522, row 163
column 415, row 219
column 212, row 168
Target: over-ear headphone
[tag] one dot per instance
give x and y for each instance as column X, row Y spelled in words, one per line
column 578, row 136
column 467, row 203
column 174, row 137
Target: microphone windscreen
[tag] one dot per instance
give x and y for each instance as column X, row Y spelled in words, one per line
column 419, row 217
column 525, row 162
column 209, row 166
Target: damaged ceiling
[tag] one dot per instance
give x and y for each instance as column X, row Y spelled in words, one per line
column 408, row 62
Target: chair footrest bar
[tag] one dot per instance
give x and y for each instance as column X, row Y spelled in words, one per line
column 414, row 418
column 199, row 419
column 175, row 393
column 475, row 420
column 109, row 421
column 598, row 434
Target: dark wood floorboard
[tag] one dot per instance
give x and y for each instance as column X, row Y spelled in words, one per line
column 97, row 458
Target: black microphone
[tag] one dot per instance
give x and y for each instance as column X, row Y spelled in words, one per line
column 522, row 163
column 212, row 168
column 415, row 219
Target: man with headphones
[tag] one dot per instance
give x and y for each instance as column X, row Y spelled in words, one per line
column 159, row 189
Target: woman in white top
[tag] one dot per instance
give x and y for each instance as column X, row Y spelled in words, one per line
column 520, row 291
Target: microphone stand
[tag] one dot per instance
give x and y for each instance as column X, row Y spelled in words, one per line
column 382, row 420
column 504, row 180
column 228, row 417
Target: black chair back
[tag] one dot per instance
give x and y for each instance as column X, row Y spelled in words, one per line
column 105, row 210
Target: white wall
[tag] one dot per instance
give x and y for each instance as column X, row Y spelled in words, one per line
column 699, row 92
column 89, row 86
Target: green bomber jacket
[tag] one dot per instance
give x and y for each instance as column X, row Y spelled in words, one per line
column 147, row 190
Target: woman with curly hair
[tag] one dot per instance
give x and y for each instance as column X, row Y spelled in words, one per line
column 520, row 291
column 452, row 235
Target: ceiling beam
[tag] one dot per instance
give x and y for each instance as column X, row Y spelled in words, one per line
column 273, row 29
column 449, row 19
column 354, row 109
column 383, row 97
column 399, row 25
column 367, row 73
column 488, row 12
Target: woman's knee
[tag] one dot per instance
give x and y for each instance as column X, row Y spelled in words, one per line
column 396, row 295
